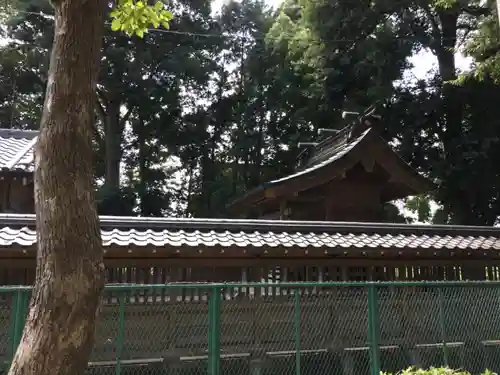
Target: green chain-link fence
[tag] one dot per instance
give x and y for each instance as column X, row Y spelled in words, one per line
column 283, row 329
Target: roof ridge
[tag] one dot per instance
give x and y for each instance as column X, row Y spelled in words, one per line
column 255, row 225
column 341, row 133
column 21, row 131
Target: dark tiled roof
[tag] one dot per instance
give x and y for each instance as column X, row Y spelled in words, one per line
column 126, row 231
column 326, row 152
column 332, row 149
column 334, row 146
column 16, row 149
column 327, row 155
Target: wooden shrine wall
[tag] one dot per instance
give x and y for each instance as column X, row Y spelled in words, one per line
column 274, row 271
column 16, row 195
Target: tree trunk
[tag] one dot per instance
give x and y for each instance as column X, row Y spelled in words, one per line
column 141, row 140
column 113, row 130
column 457, row 200
column 59, row 332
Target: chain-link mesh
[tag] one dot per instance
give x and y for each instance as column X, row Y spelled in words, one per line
column 106, row 341
column 334, row 331
column 279, row 329
column 440, row 326
column 264, row 328
column 256, row 331
column 5, row 329
column 151, row 331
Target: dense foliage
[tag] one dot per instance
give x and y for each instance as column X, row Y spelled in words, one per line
column 191, row 117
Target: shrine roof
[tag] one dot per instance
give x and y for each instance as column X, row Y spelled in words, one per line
column 19, row 231
column 356, row 140
column 325, row 153
column 16, row 149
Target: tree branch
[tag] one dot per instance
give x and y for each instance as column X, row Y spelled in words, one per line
column 102, row 96
column 436, row 32
column 100, row 109
column 476, row 11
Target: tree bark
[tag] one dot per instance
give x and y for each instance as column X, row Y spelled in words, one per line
column 59, row 331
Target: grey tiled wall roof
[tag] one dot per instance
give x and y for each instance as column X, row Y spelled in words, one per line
column 19, row 230
column 16, row 149
column 176, row 238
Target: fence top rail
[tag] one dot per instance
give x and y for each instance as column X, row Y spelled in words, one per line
column 294, row 285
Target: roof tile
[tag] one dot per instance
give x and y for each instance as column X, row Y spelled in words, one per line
column 27, row 237
column 17, row 149
column 16, row 229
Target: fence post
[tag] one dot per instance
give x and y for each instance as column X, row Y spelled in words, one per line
column 442, row 325
column 297, row 323
column 121, row 333
column 373, row 329
column 214, row 330
column 19, row 314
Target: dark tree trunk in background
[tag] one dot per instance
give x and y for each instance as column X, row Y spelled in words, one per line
column 457, row 199
column 141, row 140
column 59, row 332
column 113, row 130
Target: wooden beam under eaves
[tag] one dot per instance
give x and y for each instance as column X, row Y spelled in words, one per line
column 269, row 193
column 368, row 164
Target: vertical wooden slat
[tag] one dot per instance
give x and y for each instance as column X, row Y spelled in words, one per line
column 403, row 274
column 345, row 273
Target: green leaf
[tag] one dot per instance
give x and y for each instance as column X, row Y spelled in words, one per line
column 116, row 25
column 134, row 17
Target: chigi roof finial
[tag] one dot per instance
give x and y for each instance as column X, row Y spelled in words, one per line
column 347, row 113
column 368, row 119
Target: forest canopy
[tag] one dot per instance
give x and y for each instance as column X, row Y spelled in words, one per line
column 190, row 117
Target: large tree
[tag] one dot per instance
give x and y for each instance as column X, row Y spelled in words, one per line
column 59, row 331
